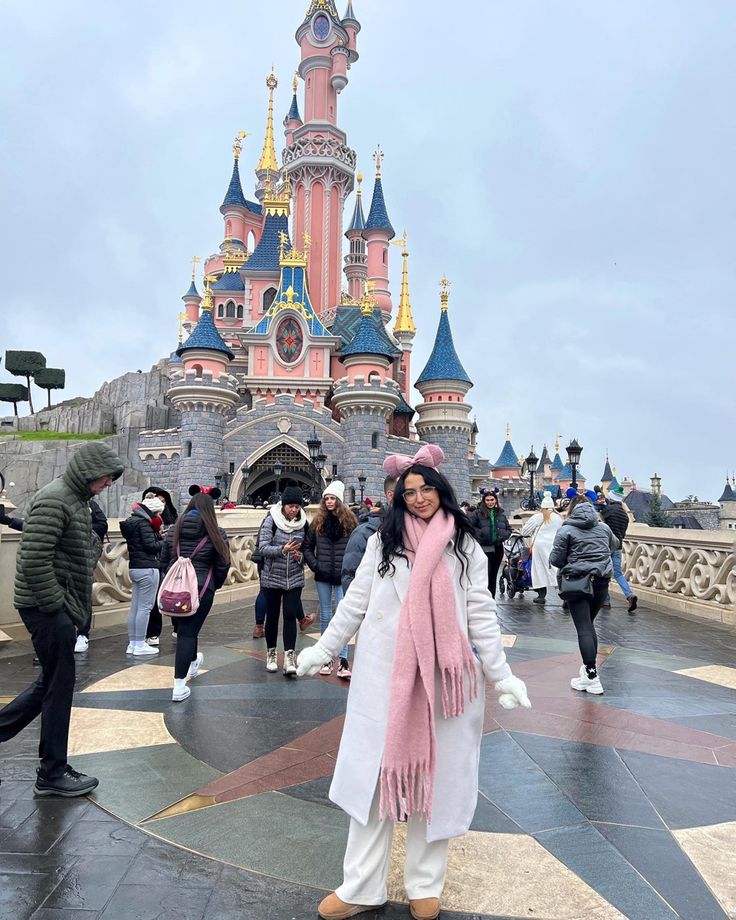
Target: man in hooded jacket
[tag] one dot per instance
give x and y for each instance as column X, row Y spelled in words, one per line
column 53, row 592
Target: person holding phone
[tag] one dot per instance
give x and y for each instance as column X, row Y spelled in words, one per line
column 282, row 579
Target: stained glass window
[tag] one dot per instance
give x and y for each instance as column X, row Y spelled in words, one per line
column 321, row 27
column 289, row 340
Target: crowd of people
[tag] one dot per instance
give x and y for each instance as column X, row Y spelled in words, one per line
column 415, row 572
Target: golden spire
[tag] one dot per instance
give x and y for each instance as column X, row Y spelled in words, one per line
column 195, row 260
column 268, row 159
column 209, row 297
column 295, row 81
column 368, row 300
column 444, row 284
column 238, row 145
column 404, row 319
column 378, row 156
column 508, row 431
column 359, row 190
column 182, row 317
column 557, row 443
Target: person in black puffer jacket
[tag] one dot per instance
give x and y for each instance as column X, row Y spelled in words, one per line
column 211, row 563
column 140, row 532
column 491, row 528
column 615, row 515
column 582, row 548
column 324, row 548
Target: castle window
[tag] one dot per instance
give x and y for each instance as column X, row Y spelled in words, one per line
column 385, row 256
column 374, row 440
column 197, row 368
column 230, row 309
column 220, row 310
column 187, row 448
column 240, row 311
column 269, row 295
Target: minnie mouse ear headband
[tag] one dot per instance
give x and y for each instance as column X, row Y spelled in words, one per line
column 429, row 455
column 213, row 492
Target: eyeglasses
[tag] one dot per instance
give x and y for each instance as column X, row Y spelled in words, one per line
column 411, row 495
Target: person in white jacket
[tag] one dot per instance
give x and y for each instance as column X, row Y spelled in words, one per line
column 410, row 746
column 542, row 528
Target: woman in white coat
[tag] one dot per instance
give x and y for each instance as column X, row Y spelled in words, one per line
column 411, row 743
column 542, row 527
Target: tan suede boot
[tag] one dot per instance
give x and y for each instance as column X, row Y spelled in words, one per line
column 425, row 908
column 332, row 908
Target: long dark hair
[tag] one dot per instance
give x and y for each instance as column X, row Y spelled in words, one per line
column 202, row 503
column 344, row 515
column 392, row 530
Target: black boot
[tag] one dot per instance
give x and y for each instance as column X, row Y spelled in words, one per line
column 541, row 596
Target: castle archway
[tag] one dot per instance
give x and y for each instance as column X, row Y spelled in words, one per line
column 261, row 484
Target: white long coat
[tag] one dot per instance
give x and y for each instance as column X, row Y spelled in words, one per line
column 544, row 575
column 373, row 604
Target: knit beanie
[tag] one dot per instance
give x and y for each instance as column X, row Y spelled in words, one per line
column 154, row 504
column 292, row 495
column 547, row 501
column 335, row 488
column 615, row 495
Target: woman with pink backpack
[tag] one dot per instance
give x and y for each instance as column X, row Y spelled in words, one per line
column 195, row 535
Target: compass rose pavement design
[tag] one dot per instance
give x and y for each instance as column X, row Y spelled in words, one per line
column 622, row 805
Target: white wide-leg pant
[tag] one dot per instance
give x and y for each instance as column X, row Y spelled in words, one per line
column 368, row 857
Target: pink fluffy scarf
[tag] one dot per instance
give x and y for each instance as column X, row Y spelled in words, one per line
column 428, row 639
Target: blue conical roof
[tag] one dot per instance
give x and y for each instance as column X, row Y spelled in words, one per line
column 206, row 336
column 293, row 113
column 444, row 363
column 371, row 339
column 357, row 222
column 234, row 194
column 229, row 281
column 265, row 257
column 192, row 292
column 378, row 215
column 566, row 473
column 557, row 463
column 507, row 458
column 403, row 407
column 607, row 472
column 613, row 484
column 728, row 494
column 544, row 459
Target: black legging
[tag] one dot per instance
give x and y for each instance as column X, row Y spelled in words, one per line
column 292, row 606
column 583, row 611
column 494, row 564
column 187, row 630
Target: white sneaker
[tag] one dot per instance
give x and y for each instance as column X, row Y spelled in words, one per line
column 272, row 661
column 143, row 649
column 195, row 666
column 290, row 663
column 153, row 640
column 587, row 684
column 181, row 691
column 173, row 633
column 130, row 649
column 82, row 644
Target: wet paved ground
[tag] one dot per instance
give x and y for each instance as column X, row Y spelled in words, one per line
column 216, row 808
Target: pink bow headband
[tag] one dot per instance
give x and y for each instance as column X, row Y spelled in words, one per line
column 429, row 455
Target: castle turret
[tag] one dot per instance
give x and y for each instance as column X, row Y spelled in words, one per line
column 443, row 416
column 241, row 218
column 507, row 466
column 377, row 234
column 727, row 501
column 293, row 119
column 268, row 169
column 366, row 398
column 320, row 164
column 356, row 262
column 557, row 463
column 404, row 328
column 607, row 477
column 192, row 300
column 204, row 392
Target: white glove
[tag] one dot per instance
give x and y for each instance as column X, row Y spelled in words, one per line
column 311, row 659
column 513, row 693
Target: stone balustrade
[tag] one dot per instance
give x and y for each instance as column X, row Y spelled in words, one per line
column 688, row 571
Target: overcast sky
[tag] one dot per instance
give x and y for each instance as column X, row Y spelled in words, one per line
column 569, row 165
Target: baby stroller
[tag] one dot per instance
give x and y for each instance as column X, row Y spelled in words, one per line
column 515, row 579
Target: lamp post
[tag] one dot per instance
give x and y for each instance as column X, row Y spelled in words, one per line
column 316, row 457
column 573, row 458
column 278, row 469
column 362, row 479
column 531, row 466
column 244, row 470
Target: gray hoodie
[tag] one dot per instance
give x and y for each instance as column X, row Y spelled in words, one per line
column 583, row 544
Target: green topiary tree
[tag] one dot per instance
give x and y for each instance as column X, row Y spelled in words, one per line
column 24, row 364
column 13, row 392
column 50, row 378
column 657, row 516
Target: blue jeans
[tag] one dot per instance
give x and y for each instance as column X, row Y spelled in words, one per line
column 324, row 593
column 619, row 575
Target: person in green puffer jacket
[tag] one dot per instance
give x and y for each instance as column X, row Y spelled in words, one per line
column 53, row 592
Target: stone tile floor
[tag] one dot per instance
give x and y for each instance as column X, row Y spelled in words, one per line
column 216, row 808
